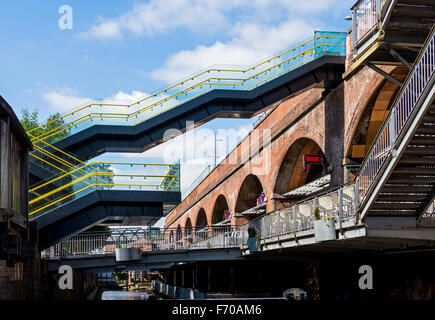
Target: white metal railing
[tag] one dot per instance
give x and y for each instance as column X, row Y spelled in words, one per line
column 365, row 18
column 339, row 204
column 400, row 113
column 148, row 239
column 196, row 182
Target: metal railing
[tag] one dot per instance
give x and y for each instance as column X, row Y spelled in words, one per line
column 366, row 15
column 148, row 239
column 338, row 204
column 398, row 117
column 196, row 182
column 61, row 189
column 225, row 77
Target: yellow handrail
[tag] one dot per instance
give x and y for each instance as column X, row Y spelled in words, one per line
column 100, row 184
column 191, row 78
column 109, row 115
column 96, row 163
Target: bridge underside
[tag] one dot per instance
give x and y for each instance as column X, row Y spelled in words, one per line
column 405, row 26
column 150, row 260
column 103, row 206
column 376, row 236
column 354, row 240
column 407, row 185
column 323, row 72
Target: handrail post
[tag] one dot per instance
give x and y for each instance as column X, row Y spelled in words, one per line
column 392, row 128
column 340, row 209
column 295, row 222
column 356, row 198
column 278, row 223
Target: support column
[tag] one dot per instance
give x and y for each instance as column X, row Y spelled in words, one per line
column 232, row 279
column 209, row 285
column 194, row 276
column 183, row 280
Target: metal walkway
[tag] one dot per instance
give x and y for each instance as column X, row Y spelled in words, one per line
column 61, row 145
column 397, row 176
column 226, row 91
column 96, row 207
column 390, row 32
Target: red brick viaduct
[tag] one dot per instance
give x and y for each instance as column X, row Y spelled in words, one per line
column 340, row 124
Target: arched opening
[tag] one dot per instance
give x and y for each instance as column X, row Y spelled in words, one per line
column 188, row 231
column 179, row 237
column 220, row 210
column 249, row 193
column 372, row 118
column 171, row 240
column 201, row 226
column 201, row 219
column 291, row 173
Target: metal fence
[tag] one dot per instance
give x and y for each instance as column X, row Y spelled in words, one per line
column 196, row 182
column 339, row 204
column 400, row 113
column 148, row 239
column 366, row 15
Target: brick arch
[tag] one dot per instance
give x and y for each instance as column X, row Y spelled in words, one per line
column 187, row 223
column 178, row 233
column 220, row 204
column 290, row 174
column 201, row 218
column 374, row 103
column 248, row 192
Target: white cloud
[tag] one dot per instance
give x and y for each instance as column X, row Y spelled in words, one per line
column 125, row 97
column 106, row 29
column 203, row 16
column 158, row 16
column 250, row 43
column 64, row 99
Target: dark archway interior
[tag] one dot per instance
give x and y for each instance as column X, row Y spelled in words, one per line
column 188, row 226
column 374, row 114
column 179, row 235
column 248, row 194
column 219, row 208
column 201, row 219
column 291, row 174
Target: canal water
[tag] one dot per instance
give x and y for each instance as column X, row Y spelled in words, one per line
column 124, row 295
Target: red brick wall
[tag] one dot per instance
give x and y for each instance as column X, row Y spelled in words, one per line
column 21, row 282
column 302, row 116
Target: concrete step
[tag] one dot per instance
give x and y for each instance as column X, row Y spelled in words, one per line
column 402, row 197
column 423, row 140
column 411, row 180
column 416, row 161
column 414, row 171
column 398, row 189
column 392, row 213
column 420, row 151
column 396, row 205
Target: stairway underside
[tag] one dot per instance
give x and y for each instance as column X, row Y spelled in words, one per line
column 411, row 186
column 406, row 25
column 324, row 72
column 103, row 206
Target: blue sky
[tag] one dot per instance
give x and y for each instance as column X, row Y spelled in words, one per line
column 128, row 49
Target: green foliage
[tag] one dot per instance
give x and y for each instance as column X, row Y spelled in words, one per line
column 120, row 275
column 317, row 213
column 30, row 120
